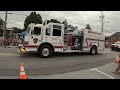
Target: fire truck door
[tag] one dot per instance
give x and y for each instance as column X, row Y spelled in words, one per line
column 57, row 38
column 47, row 36
column 35, row 37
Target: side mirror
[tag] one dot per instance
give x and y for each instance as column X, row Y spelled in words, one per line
column 27, row 33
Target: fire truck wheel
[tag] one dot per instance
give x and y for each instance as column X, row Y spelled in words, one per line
column 111, row 49
column 45, row 51
column 93, row 50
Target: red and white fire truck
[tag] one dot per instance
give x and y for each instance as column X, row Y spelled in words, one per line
column 50, row 38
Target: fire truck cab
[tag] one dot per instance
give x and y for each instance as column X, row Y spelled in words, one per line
column 51, row 38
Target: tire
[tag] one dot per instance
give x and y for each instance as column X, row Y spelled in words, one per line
column 45, row 51
column 93, row 50
column 111, row 49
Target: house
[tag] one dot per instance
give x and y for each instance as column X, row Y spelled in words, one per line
column 115, row 37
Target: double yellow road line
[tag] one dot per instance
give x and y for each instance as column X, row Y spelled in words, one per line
column 3, row 54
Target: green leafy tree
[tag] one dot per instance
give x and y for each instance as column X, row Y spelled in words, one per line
column 65, row 24
column 17, row 30
column 1, row 23
column 32, row 18
column 76, row 27
column 53, row 21
column 1, row 26
column 72, row 27
column 88, row 27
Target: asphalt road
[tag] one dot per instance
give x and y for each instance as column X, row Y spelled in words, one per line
column 10, row 61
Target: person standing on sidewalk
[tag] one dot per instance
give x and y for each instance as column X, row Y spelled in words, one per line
column 14, row 41
column 118, row 67
column 4, row 42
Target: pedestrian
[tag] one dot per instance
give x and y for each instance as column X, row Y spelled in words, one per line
column 19, row 42
column 4, row 42
column 118, row 67
column 14, row 41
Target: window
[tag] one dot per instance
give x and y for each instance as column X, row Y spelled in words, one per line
column 56, row 26
column 56, row 32
column 28, row 29
column 76, row 40
column 48, row 31
column 36, row 31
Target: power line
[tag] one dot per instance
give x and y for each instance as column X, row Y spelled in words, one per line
column 106, row 31
column 78, row 16
column 84, row 17
column 85, row 24
column 14, row 14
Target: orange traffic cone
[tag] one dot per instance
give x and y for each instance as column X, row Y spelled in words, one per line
column 117, row 59
column 22, row 72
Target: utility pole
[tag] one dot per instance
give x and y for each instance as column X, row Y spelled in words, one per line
column 4, row 32
column 102, row 22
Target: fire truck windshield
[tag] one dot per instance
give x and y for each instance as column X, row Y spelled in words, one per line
column 28, row 30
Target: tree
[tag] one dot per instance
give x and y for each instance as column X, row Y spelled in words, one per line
column 65, row 24
column 17, row 30
column 1, row 26
column 69, row 26
column 88, row 27
column 32, row 18
column 53, row 21
column 76, row 27
column 1, row 23
column 72, row 27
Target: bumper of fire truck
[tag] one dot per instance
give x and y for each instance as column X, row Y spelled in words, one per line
column 21, row 49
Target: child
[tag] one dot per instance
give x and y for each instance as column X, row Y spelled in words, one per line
column 118, row 67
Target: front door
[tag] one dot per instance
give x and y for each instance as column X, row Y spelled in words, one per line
column 47, row 35
column 35, row 37
column 57, row 37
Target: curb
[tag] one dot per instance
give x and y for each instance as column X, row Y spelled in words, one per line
column 9, row 47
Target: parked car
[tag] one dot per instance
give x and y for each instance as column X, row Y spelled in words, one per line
column 116, row 46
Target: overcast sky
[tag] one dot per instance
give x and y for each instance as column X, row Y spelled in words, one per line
column 78, row 18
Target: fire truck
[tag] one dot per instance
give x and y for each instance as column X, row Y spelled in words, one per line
column 51, row 38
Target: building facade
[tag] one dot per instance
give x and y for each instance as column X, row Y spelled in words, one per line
column 113, row 38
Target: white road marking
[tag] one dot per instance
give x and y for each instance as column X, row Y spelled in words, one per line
column 95, row 69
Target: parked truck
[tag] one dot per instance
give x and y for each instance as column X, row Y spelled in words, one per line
column 51, row 38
